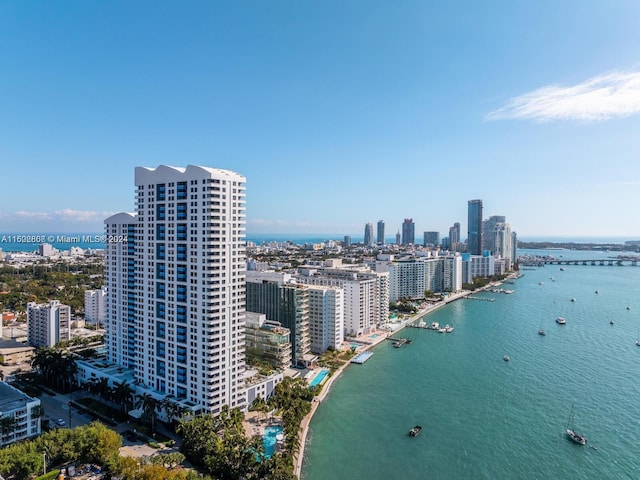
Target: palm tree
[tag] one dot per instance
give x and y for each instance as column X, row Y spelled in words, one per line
column 122, row 393
column 149, row 406
column 7, row 426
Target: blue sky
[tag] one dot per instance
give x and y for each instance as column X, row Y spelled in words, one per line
column 338, row 113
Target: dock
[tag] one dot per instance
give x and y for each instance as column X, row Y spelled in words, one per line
column 399, row 342
column 484, row 299
column 362, row 357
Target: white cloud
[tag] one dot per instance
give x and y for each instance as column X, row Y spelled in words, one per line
column 615, row 94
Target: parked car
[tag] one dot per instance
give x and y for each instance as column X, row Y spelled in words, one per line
column 60, row 422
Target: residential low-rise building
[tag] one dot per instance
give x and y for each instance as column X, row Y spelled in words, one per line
column 24, row 412
column 267, row 340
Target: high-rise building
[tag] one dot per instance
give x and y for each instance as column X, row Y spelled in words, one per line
column 326, row 318
column 408, row 232
column 48, row 323
column 282, row 300
column 431, row 239
column 488, row 228
column 368, row 234
column 175, row 283
column 474, row 227
column 380, row 237
column 502, row 240
column 454, row 236
column 347, row 241
column 94, row 305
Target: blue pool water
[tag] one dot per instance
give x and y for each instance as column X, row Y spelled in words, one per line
column 319, row 378
column 269, row 439
column 355, row 345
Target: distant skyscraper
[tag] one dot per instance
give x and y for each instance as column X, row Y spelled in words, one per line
column 380, row 237
column 398, row 238
column 431, row 239
column 408, row 232
column 347, row 241
column 488, row 227
column 368, row 234
column 474, row 227
column 454, row 237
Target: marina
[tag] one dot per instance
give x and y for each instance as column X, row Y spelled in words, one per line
column 534, row 390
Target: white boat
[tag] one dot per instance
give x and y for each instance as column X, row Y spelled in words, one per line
column 442, row 330
column 448, row 328
column 506, row 358
column 573, row 299
column 435, row 326
column 561, row 320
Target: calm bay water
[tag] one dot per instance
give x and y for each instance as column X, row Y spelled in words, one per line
column 485, row 418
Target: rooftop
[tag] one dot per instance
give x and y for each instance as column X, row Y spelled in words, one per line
column 11, row 398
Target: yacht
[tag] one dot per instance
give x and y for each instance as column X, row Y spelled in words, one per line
column 506, row 358
column 561, row 320
column 448, row 328
column 541, row 332
column 415, row 431
column 573, row 435
column 435, row 326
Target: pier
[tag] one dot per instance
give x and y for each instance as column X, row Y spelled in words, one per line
column 362, row 357
column 399, row 342
column 484, row 299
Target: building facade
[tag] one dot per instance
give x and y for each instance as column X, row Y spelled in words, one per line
column 94, row 305
column 48, row 323
column 408, row 232
column 431, row 239
column 24, row 412
column 175, row 300
column 281, row 299
column 380, row 237
column 326, row 318
column 368, row 234
column 474, row 227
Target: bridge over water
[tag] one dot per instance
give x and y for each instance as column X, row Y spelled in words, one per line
column 603, row 262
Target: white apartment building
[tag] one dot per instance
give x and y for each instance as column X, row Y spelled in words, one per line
column 366, row 293
column 503, row 240
column 477, row 266
column 48, row 323
column 326, row 318
column 23, row 409
column 94, row 305
column 411, row 276
column 176, row 285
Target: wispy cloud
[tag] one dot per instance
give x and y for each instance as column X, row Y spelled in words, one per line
column 615, row 94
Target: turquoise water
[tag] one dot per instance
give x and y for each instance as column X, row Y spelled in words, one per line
column 319, row 377
column 485, row 418
column 269, row 440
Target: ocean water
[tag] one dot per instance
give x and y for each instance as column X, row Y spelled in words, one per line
column 485, row 418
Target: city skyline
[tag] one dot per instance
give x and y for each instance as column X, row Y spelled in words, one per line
column 531, row 108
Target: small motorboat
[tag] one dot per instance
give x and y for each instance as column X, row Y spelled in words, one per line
column 415, row 431
column 506, row 358
column 561, row 320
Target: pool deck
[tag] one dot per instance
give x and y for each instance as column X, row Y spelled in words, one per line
column 370, row 340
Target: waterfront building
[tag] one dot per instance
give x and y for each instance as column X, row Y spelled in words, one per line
column 411, row 276
column 502, row 240
column 326, row 318
column 380, row 237
column 175, row 289
column 366, row 293
column 474, row 227
column 514, row 248
column 368, row 234
column 48, row 323
column 280, row 298
column 477, row 266
column 267, row 341
column 488, row 235
column 94, row 305
column 23, row 411
column 347, row 241
column 431, row 239
column 408, row 232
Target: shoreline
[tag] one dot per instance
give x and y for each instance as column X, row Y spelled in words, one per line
column 306, row 421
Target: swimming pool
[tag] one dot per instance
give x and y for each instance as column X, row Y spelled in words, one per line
column 355, row 345
column 269, row 440
column 319, row 377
